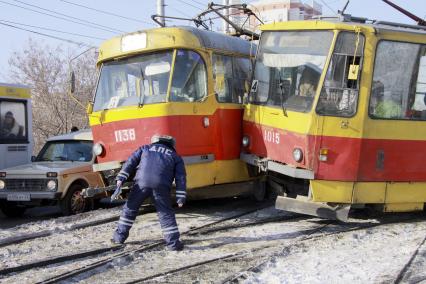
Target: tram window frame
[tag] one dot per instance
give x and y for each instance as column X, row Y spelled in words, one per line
column 185, row 99
column 286, row 83
column 233, row 83
column 108, row 85
column 346, row 101
column 24, row 139
column 406, row 98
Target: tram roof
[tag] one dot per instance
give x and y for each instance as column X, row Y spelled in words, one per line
column 349, row 23
column 169, row 38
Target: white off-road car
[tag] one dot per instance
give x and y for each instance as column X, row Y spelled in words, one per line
column 59, row 173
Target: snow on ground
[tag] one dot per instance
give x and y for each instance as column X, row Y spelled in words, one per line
column 369, row 255
column 59, row 224
column 374, row 255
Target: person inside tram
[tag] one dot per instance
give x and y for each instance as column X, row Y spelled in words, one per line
column 10, row 127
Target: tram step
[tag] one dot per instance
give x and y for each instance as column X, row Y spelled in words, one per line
column 304, row 206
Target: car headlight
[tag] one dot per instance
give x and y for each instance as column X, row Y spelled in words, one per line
column 2, row 184
column 297, row 154
column 246, row 141
column 98, row 149
column 51, row 185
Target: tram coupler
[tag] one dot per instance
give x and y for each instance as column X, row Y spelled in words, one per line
column 93, row 191
column 302, row 205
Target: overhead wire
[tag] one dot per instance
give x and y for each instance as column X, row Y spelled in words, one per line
column 47, row 35
column 62, row 18
column 189, row 4
column 331, row 9
column 65, row 15
column 49, row 29
column 106, row 12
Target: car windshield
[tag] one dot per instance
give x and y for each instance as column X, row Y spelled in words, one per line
column 288, row 68
column 138, row 80
column 74, row 150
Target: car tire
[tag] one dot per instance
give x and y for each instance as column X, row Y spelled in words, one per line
column 10, row 209
column 74, row 202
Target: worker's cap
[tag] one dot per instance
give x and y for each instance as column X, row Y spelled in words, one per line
column 163, row 139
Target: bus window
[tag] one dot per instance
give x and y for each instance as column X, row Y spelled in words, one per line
column 400, row 70
column 12, row 121
column 231, row 78
column 339, row 95
column 189, row 81
column 138, row 80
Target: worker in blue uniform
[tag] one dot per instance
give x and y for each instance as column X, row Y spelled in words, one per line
column 154, row 166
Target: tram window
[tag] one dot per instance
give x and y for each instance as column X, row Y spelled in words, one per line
column 288, row 68
column 339, row 95
column 400, row 71
column 12, row 121
column 189, row 82
column 231, row 75
column 138, row 80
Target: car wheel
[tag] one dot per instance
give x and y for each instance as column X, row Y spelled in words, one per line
column 74, row 202
column 11, row 209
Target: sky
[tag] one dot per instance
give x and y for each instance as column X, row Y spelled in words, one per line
column 104, row 19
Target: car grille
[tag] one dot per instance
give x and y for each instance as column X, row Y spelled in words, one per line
column 26, row 184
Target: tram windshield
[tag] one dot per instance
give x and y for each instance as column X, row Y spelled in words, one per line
column 288, row 68
column 145, row 79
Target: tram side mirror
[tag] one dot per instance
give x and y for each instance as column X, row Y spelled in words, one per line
column 89, row 108
column 33, row 158
column 72, row 82
column 157, row 68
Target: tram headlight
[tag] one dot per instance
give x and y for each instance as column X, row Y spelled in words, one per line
column 98, row 149
column 2, row 184
column 51, row 185
column 297, row 154
column 246, row 141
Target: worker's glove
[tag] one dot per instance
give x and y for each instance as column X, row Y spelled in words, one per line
column 180, row 201
column 117, row 192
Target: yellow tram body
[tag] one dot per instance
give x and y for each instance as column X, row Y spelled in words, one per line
column 345, row 143
column 206, row 121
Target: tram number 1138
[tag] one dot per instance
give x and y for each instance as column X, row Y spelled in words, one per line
column 124, row 135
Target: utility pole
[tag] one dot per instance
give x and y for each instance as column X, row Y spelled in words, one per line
column 160, row 11
column 226, row 14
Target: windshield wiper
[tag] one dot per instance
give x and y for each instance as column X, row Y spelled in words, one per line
column 141, row 90
column 280, row 84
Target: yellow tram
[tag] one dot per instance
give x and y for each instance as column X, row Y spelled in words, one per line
column 337, row 115
column 180, row 81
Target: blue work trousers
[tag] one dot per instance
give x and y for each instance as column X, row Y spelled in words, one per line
column 166, row 215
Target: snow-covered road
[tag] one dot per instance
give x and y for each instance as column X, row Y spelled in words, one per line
column 263, row 246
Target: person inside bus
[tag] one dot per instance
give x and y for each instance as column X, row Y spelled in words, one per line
column 10, row 127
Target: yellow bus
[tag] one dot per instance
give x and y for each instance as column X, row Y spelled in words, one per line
column 16, row 142
column 337, row 117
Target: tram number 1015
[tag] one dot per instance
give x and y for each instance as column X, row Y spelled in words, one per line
column 125, row 135
column 271, row 136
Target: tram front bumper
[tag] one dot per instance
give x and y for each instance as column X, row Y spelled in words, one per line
column 302, row 205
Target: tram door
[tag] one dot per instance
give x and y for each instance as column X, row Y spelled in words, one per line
column 338, row 110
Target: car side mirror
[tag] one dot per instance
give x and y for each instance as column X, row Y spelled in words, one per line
column 33, row 158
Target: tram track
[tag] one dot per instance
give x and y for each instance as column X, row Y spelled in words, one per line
column 242, row 275
column 122, row 254
column 13, row 240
